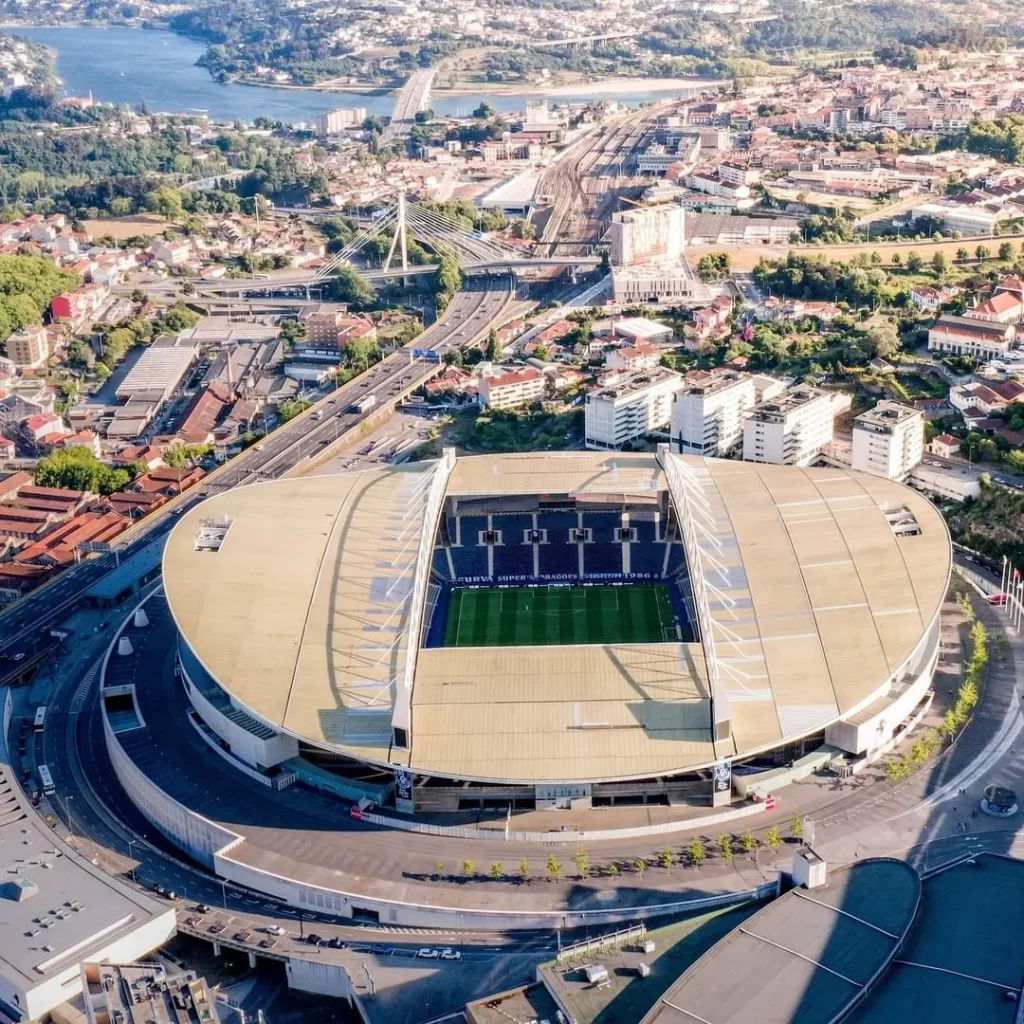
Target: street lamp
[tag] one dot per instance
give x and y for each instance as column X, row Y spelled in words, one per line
column 131, row 856
column 67, row 811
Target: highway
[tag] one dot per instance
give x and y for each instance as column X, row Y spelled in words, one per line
column 24, row 625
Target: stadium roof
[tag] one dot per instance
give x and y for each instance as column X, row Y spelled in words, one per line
column 302, row 613
column 805, row 957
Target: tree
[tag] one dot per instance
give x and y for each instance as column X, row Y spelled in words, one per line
column 773, row 838
column 640, row 865
column 360, row 352
column 896, row 261
column 796, row 827
column 348, row 286
column 493, row 352
column 725, row 847
column 449, row 281
column 962, row 255
column 940, row 264
column 554, row 867
column 876, row 257
column 167, row 202
column 749, row 843
column 1006, row 252
column 524, row 869
column 697, row 852
column 982, row 252
column 468, row 868
column 79, row 470
column 116, row 345
column 914, row 262
column 714, row 266
column 439, row 868
column 484, row 111
column 582, row 863
column 667, row 858
column 497, row 871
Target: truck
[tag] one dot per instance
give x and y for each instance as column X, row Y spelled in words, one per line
column 364, row 404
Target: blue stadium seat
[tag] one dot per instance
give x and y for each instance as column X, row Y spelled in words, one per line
column 513, row 558
column 604, row 558
column 471, row 528
column 441, row 564
column 646, row 557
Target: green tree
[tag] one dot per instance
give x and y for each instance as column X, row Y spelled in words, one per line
column 914, row 262
column 167, row 202
column 449, row 281
column 876, row 257
column 554, row 867
column 484, row 111
column 1006, row 252
column 796, row 826
column 493, row 352
column 439, row 868
column 749, row 843
column 348, row 286
column 773, row 838
column 524, row 869
column 497, row 871
column 468, row 868
column 361, row 352
column 640, row 865
column 79, row 470
column 725, row 847
column 667, row 858
column 582, row 863
column 940, row 264
column 982, row 252
column 962, row 255
column 698, row 854
column 116, row 345
column 896, row 260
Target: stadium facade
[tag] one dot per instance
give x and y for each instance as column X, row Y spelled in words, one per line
column 555, row 629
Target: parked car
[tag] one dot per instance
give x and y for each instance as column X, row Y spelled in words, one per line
column 450, row 954
column 425, row 953
column 202, row 908
column 274, row 929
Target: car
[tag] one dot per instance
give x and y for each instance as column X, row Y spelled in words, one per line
column 159, row 890
column 176, row 511
column 426, row 953
column 450, row 954
column 998, row 599
column 171, row 894
column 313, row 939
column 274, row 929
column 203, row 908
column 378, row 948
column 258, row 448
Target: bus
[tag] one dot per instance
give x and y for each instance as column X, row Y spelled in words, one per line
column 47, row 780
column 40, row 718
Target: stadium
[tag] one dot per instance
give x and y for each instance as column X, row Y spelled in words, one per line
column 558, row 629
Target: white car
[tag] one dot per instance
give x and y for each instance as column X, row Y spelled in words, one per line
column 427, row 954
column 274, row 929
column 450, row 954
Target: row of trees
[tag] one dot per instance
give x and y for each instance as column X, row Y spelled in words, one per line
column 78, row 469
column 694, row 854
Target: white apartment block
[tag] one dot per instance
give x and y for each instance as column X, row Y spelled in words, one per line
column 648, row 236
column 630, row 408
column 790, row 430
column 336, row 121
column 707, row 418
column 508, row 390
column 888, row 440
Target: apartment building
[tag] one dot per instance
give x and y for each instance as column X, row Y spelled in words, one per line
column 707, row 418
column 506, row 390
column 790, row 430
column 29, row 347
column 630, row 408
column 336, row 121
column 888, row 440
column 651, row 236
column 652, row 284
column 969, row 336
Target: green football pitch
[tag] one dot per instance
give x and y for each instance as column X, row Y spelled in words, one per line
column 536, row 616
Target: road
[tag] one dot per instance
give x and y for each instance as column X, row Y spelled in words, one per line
column 24, row 625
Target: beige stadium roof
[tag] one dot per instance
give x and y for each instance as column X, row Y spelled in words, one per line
column 301, row 613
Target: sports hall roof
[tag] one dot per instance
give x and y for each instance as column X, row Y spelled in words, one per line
column 805, row 957
column 301, row 612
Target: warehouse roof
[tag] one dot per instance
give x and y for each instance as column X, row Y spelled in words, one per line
column 822, row 584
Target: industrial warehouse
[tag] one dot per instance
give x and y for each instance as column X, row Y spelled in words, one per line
column 562, row 629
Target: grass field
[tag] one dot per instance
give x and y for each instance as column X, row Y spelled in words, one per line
column 538, row 616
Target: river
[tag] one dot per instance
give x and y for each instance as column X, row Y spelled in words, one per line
column 133, row 66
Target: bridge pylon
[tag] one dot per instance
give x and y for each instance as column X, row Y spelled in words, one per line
column 400, row 238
